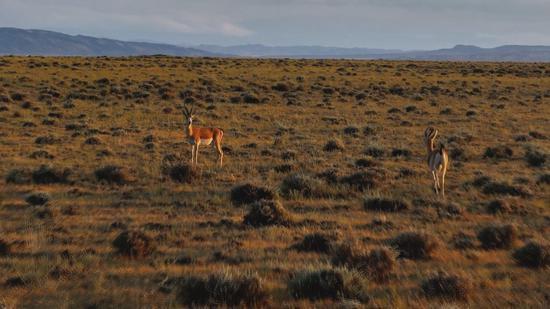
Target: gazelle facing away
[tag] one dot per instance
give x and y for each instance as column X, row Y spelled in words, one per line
column 198, row 136
column 437, row 160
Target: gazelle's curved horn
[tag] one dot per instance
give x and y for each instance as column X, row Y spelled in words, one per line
column 428, row 132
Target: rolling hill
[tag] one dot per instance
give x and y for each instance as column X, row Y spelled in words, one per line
column 15, row 41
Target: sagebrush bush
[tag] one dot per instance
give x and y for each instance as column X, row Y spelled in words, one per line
column 223, row 288
column 42, row 213
column 502, row 188
column 498, row 206
column 48, row 175
column 19, row 176
column 4, row 247
column 112, row 174
column 266, row 213
column 377, row 264
column 334, row 145
column 37, row 199
column 301, row 185
column 533, row 254
column 535, row 158
column 315, row 242
column 498, row 152
column 361, row 181
column 183, row 173
column 386, row 204
column 133, row 244
column 413, row 245
column 335, row 284
column 374, row 152
column 248, row 193
column 497, row 236
column 543, row 179
column 451, row 287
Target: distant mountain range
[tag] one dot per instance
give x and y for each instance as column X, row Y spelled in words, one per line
column 258, row 50
column 457, row 53
column 14, row 41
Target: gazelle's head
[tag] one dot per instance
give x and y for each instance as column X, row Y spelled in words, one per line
column 429, row 135
column 188, row 114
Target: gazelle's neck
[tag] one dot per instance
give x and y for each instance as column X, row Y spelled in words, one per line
column 189, row 129
column 430, row 146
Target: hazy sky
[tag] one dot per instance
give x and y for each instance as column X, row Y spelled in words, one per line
column 403, row 24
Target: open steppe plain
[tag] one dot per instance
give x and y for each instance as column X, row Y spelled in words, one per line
column 99, row 207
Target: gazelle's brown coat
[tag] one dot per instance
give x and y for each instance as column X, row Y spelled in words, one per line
column 197, row 136
column 437, row 160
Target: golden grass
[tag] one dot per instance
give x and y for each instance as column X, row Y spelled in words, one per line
column 509, row 99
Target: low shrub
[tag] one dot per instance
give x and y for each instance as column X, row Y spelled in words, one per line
column 361, row 181
column 315, row 242
column 183, row 173
column 386, row 204
column 266, row 213
column 498, row 206
column 544, row 179
column 133, row 244
column 497, row 236
column 223, row 288
column 374, row 152
column 334, row 145
column 19, row 176
column 377, row 264
column 535, row 158
column 302, row 185
column 4, row 248
column 498, row 152
column 248, row 193
column 335, row 284
column 37, row 199
column 533, row 255
column 503, row 188
column 49, row 175
column 413, row 245
column 451, row 287
column 112, row 174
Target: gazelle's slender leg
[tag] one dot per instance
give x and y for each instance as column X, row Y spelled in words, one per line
column 443, row 180
column 192, row 154
column 197, row 154
column 220, row 152
column 436, row 182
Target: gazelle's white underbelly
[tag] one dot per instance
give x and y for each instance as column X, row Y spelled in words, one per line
column 205, row 141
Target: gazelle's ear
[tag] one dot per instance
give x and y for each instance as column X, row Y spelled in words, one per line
column 435, row 133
